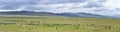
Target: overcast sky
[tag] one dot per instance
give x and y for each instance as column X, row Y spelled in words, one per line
column 101, row 7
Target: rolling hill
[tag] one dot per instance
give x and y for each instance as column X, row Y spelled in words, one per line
column 81, row 14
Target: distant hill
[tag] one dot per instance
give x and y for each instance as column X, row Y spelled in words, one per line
column 25, row 13
column 81, row 14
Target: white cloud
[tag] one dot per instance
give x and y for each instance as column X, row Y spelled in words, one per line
column 112, row 4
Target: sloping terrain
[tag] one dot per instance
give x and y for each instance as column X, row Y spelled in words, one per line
column 31, row 13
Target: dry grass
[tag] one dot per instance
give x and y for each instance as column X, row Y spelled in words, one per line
column 58, row 24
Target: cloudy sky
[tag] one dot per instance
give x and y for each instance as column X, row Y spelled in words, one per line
column 101, row 7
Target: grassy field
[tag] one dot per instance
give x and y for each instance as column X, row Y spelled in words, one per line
column 58, row 24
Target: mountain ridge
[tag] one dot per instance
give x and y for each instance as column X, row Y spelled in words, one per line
column 80, row 14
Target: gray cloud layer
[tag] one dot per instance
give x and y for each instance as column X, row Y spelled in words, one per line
column 101, row 7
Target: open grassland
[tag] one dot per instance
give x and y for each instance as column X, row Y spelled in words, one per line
column 58, row 24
